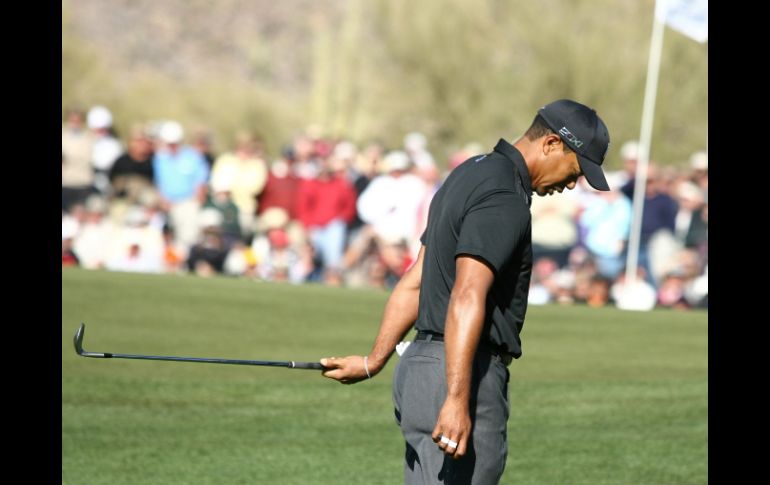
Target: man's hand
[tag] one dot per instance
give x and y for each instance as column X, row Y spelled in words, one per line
column 347, row 370
column 453, row 427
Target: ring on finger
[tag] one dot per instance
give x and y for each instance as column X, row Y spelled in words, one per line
column 451, row 444
column 445, row 440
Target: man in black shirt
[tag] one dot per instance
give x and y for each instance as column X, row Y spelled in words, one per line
column 132, row 173
column 467, row 296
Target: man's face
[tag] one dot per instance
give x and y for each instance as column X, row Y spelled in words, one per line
column 560, row 170
column 75, row 120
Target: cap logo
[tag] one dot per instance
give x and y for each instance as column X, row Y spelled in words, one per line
column 570, row 137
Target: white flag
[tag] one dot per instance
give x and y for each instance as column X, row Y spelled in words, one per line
column 690, row 17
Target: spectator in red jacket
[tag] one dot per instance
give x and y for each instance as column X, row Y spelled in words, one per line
column 325, row 206
column 282, row 187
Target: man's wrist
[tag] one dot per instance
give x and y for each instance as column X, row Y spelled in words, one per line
column 458, row 396
column 374, row 365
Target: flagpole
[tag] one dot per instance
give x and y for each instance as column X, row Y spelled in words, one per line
column 645, row 138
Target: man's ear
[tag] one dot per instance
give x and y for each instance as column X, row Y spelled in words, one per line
column 551, row 142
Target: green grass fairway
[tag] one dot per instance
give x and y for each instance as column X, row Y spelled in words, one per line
column 599, row 397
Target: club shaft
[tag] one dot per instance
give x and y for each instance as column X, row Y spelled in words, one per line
column 78, row 342
column 271, row 363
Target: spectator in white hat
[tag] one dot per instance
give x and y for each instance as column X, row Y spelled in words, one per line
column 106, row 148
column 629, row 155
column 181, row 174
column 699, row 162
column 416, row 146
column 390, row 206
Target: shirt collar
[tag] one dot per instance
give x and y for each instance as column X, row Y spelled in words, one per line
column 511, row 153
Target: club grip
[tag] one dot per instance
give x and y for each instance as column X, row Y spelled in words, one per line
column 307, row 365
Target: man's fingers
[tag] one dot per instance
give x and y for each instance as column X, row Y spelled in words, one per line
column 448, row 445
column 333, row 367
column 436, row 436
column 347, row 370
column 442, row 446
column 462, row 447
column 454, row 447
column 332, row 362
column 338, row 368
column 332, row 373
column 444, row 440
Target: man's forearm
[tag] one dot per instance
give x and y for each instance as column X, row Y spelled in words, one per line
column 465, row 320
column 399, row 316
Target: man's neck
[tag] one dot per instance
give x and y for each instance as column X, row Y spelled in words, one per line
column 528, row 150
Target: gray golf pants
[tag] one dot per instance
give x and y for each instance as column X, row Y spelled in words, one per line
column 419, row 391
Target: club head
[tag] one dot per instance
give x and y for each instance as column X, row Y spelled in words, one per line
column 79, row 339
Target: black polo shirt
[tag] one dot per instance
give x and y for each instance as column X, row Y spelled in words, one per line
column 482, row 209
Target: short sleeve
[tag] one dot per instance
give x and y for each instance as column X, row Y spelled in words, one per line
column 493, row 228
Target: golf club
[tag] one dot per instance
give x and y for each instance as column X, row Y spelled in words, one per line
column 105, row 355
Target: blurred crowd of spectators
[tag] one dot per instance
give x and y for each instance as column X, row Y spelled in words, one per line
column 159, row 201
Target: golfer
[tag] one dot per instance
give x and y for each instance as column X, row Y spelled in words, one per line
column 466, row 295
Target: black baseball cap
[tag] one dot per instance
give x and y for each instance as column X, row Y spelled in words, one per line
column 583, row 131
